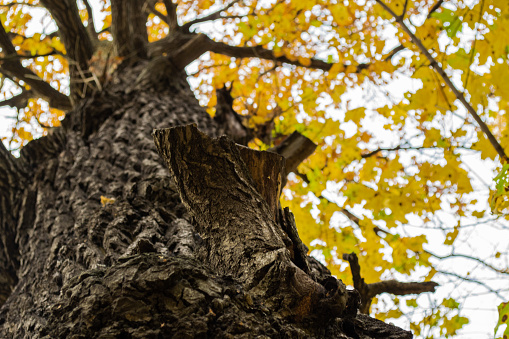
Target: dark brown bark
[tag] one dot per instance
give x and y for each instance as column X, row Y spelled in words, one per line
column 71, row 30
column 146, row 263
column 129, row 28
column 99, row 239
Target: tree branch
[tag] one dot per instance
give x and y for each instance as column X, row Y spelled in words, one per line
column 171, row 11
column 129, row 28
column 190, row 46
column 473, row 281
column 73, row 33
column 20, row 57
column 434, row 8
column 402, row 16
column 18, row 101
column 14, row 69
column 482, row 262
column 484, row 128
column 90, row 23
column 158, row 14
column 213, row 16
column 401, row 148
column 13, row 4
column 394, row 52
column 369, row 291
column 401, row 288
column 295, row 149
column 262, row 53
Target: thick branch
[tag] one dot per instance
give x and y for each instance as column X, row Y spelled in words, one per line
column 181, row 48
column 295, row 148
column 14, row 69
column 90, row 22
column 262, row 53
column 129, row 28
column 211, row 175
column 401, row 288
column 484, row 128
column 18, row 101
column 190, row 46
column 73, row 33
column 369, row 291
column 240, row 236
column 171, row 10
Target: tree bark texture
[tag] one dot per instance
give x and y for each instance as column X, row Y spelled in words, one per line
column 102, row 236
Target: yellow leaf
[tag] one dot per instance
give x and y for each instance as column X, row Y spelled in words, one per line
column 304, row 61
column 105, row 201
column 451, row 236
column 355, row 115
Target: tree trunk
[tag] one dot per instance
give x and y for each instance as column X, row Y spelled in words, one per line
column 103, row 237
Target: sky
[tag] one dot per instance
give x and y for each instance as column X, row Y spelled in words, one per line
column 479, row 240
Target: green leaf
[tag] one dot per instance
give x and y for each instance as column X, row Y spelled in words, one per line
column 459, row 60
column 503, row 315
column 452, row 23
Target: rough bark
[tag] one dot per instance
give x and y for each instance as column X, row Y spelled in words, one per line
column 129, row 30
column 102, row 242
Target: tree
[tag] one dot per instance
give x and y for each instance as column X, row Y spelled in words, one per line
column 94, row 194
column 98, row 240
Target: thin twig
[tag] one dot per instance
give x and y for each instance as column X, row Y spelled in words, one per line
column 434, row 8
column 472, row 281
column 485, row 129
column 394, row 52
column 472, row 52
column 210, row 17
column 402, row 16
column 484, row 263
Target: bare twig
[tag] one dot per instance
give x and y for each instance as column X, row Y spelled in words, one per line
column 472, row 52
column 434, row 8
column 369, row 291
column 210, row 17
column 394, row 52
column 473, row 281
column 482, row 262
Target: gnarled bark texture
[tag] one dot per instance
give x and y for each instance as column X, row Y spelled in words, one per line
column 104, row 242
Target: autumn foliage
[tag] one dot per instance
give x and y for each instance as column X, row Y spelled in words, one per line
column 392, row 92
